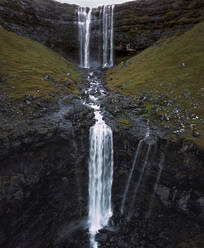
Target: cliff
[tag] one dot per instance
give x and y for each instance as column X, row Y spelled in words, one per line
column 48, row 22
column 139, row 24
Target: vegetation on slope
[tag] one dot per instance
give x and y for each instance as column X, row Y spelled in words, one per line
column 172, row 70
column 24, row 65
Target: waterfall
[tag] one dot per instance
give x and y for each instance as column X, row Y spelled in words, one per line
column 85, row 35
column 100, row 163
column 84, row 32
column 131, row 173
column 100, row 175
column 139, row 181
column 105, row 36
column 101, row 137
column 137, row 154
column 87, row 41
column 108, row 35
column 112, row 37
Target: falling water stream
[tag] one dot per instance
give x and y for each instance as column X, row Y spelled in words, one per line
column 84, row 24
column 101, row 137
column 100, row 162
column 85, row 17
column 137, row 154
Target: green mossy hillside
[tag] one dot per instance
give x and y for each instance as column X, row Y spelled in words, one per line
column 174, row 69
column 24, row 63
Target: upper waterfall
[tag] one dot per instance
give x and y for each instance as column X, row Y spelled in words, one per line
column 103, row 55
column 108, row 36
column 84, row 22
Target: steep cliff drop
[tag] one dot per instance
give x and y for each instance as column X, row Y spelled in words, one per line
column 101, row 137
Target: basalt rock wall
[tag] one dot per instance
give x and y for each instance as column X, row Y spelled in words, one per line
column 44, row 181
column 139, row 24
column 46, row 21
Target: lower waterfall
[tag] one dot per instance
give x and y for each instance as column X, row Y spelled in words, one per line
column 100, row 163
column 100, row 175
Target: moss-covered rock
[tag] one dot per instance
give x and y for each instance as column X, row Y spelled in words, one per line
column 24, row 65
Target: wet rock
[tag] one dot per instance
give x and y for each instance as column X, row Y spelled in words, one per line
column 163, row 193
column 52, row 94
column 28, row 102
column 195, row 133
column 201, row 203
column 46, row 78
column 183, row 201
column 67, row 84
column 101, row 237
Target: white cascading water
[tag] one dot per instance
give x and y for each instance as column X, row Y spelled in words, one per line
column 84, row 24
column 105, row 36
column 100, row 176
column 131, row 211
column 101, row 137
column 112, row 37
column 108, row 35
column 130, row 176
column 84, row 34
column 138, row 152
column 100, row 164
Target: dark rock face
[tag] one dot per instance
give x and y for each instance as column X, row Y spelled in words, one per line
column 44, row 181
column 139, row 24
column 156, row 215
column 46, row 21
column 164, row 205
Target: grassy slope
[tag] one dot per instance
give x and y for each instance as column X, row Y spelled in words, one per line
column 160, row 70
column 24, row 62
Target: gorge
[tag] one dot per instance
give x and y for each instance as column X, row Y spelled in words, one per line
column 87, row 157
